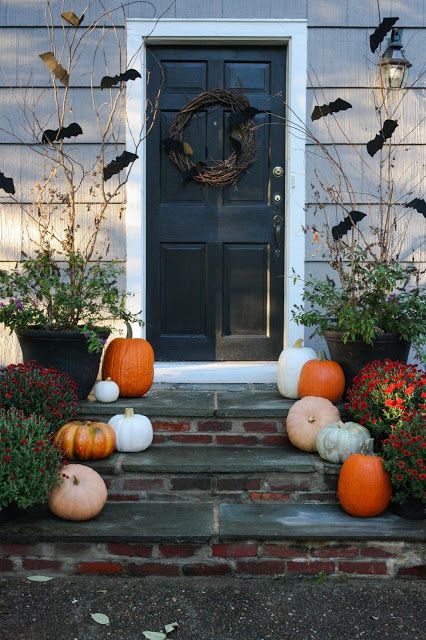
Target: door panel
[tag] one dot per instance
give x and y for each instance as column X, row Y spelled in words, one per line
column 214, row 262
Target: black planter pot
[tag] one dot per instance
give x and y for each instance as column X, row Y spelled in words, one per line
column 413, row 509
column 355, row 354
column 65, row 351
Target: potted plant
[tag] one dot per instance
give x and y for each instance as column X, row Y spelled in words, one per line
column 29, row 461
column 384, row 395
column 371, row 303
column 404, row 454
column 66, row 294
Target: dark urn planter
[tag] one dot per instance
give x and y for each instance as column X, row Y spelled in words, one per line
column 355, row 354
column 65, row 351
column 413, row 509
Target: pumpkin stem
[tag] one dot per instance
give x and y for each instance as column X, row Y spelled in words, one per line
column 299, row 343
column 75, row 480
column 311, row 419
column 322, row 356
column 107, row 379
column 129, row 412
column 367, row 448
column 129, row 330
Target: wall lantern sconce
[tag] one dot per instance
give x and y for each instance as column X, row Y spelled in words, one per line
column 393, row 65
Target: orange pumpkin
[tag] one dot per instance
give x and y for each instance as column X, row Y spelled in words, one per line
column 85, row 440
column 322, row 378
column 81, row 495
column 130, row 363
column 364, row 488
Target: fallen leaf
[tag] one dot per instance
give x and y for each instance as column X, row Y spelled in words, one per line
column 171, row 627
column 154, row 635
column 100, row 618
column 39, row 578
column 187, row 149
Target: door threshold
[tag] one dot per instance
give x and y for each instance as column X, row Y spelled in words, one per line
column 216, row 372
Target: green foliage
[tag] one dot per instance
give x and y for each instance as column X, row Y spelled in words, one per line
column 35, row 390
column 29, row 461
column 374, row 298
column 41, row 293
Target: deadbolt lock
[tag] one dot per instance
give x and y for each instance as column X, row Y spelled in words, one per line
column 277, row 197
column 278, row 172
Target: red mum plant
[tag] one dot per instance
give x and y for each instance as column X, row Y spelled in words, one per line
column 386, row 394
column 35, row 390
column 404, row 453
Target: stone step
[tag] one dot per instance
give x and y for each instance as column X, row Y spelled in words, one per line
column 219, row 474
column 215, row 539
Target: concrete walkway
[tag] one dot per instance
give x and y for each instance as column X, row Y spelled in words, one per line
column 213, row 609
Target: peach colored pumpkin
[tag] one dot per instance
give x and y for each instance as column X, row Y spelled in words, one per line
column 306, row 417
column 81, row 496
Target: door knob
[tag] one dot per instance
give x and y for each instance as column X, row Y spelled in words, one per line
column 277, row 223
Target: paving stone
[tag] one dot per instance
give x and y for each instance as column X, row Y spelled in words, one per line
column 155, row 522
column 256, row 404
column 218, row 459
column 310, row 522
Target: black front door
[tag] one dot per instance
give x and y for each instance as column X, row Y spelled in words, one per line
column 215, row 255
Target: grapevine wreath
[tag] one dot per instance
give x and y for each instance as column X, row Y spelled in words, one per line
column 241, row 130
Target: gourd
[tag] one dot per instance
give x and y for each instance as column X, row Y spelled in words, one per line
column 322, row 378
column 85, row 440
column 290, row 364
column 364, row 487
column 81, row 495
column 106, row 390
column 338, row 441
column 130, row 363
column 306, row 417
column 133, row 431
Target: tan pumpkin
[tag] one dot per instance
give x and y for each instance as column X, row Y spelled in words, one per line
column 306, row 417
column 85, row 440
column 81, row 495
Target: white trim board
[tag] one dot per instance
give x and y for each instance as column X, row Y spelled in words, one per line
column 292, row 33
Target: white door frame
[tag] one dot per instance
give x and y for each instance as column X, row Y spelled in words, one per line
column 292, row 33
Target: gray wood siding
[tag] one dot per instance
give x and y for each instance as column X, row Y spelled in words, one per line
column 340, row 65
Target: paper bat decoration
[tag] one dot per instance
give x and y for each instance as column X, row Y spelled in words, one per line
column 70, row 17
column 418, row 204
column 378, row 141
column 6, row 184
column 332, row 107
column 110, row 81
column 121, row 162
column 193, row 171
column 341, row 229
column 378, row 36
column 240, row 117
column 53, row 135
column 54, row 66
column 236, row 145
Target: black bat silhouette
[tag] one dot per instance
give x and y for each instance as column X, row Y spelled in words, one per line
column 73, row 20
column 6, row 184
column 385, row 133
column 418, row 204
column 341, row 229
column 110, row 81
column 332, row 107
column 236, row 145
column 193, row 171
column 53, row 135
column 378, row 36
column 120, row 162
column 172, row 146
column 240, row 117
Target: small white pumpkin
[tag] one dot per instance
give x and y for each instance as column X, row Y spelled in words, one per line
column 290, row 364
column 338, row 441
column 133, row 432
column 106, row 390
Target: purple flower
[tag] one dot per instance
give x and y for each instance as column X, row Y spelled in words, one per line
column 19, row 304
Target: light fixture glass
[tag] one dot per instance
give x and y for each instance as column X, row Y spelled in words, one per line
column 393, row 64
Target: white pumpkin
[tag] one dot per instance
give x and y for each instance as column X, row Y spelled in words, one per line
column 338, row 441
column 106, row 390
column 290, row 364
column 133, row 432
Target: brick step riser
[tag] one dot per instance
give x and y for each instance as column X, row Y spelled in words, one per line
column 245, row 559
column 284, row 487
column 227, row 432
